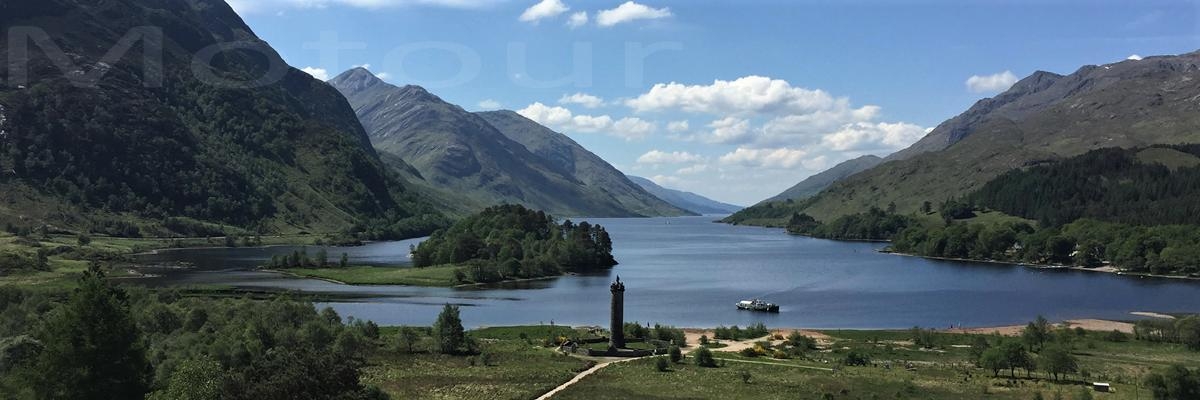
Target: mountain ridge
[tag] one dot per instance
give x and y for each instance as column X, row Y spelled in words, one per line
column 686, row 200
column 462, row 152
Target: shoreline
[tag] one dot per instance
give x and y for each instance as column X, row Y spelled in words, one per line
column 1106, row 269
column 458, row 286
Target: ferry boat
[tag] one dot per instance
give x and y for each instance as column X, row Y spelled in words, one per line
column 757, row 305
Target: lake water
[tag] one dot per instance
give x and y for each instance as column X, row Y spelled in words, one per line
column 689, row 272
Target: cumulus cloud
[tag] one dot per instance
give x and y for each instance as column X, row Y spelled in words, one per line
column 694, row 169
column 276, row 6
column 542, row 10
column 563, row 119
column 582, row 99
column 746, row 95
column 489, row 104
column 662, row 157
column 865, row 136
column 677, row 126
column 729, row 130
column 780, row 158
column 632, row 128
column 628, row 12
column 997, row 82
column 1134, row 57
column 319, row 73
column 577, row 19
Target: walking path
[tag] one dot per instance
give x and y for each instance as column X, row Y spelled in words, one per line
column 584, row 374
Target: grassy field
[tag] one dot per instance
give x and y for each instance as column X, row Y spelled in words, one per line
column 943, row 372
column 516, row 368
column 358, row 275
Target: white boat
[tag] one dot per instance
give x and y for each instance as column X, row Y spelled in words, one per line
column 757, row 305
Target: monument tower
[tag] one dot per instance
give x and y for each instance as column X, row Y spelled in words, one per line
column 617, row 341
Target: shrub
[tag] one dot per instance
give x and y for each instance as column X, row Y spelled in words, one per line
column 661, row 364
column 745, row 377
column 675, row 354
column 748, row 352
column 704, row 358
column 856, row 358
column 1116, row 336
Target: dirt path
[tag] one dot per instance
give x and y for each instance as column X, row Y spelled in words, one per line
column 584, row 374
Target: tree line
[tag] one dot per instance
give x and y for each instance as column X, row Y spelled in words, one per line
column 1110, row 184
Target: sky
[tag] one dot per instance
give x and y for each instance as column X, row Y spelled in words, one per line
column 734, row 100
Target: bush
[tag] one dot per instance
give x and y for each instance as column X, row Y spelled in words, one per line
column 661, row 364
column 856, row 358
column 704, row 358
column 1116, row 336
column 748, row 352
column 675, row 354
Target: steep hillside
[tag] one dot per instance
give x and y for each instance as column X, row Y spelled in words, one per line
column 815, row 184
column 686, row 200
column 460, row 152
column 600, row 178
column 1043, row 118
column 246, row 142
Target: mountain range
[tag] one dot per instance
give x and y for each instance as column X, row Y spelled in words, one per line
column 686, row 200
column 242, row 143
column 493, row 157
column 1043, row 118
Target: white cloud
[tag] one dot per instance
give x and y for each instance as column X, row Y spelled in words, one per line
column 997, row 82
column 666, row 181
column 319, row 73
column 542, row 10
column 562, row 119
column 729, row 130
column 780, row 158
column 694, row 169
column 582, row 99
column 276, row 6
column 383, row 75
column 489, row 104
column 662, row 157
column 632, row 128
column 630, row 11
column 677, row 126
column 1134, row 57
column 865, row 136
column 577, row 19
column 746, row 95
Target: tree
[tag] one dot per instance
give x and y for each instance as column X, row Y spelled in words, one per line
column 675, row 354
column 993, row 359
column 448, row 334
column 92, row 347
column 407, row 338
column 1177, row 382
column 322, row 258
column 704, row 358
column 345, row 261
column 195, row 379
column 1057, row 361
column 1036, row 333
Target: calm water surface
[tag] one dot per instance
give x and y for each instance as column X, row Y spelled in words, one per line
column 689, row 272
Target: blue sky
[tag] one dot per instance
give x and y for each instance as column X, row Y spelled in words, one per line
column 771, row 91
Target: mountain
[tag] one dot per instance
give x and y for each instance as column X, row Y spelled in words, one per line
column 685, row 200
column 1043, row 118
column 601, row 179
column 171, row 146
column 812, row 185
column 461, row 153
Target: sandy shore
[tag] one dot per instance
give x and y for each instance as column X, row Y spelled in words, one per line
column 1015, row 330
column 1105, row 269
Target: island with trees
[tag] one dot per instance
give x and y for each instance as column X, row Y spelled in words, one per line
column 500, row 243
